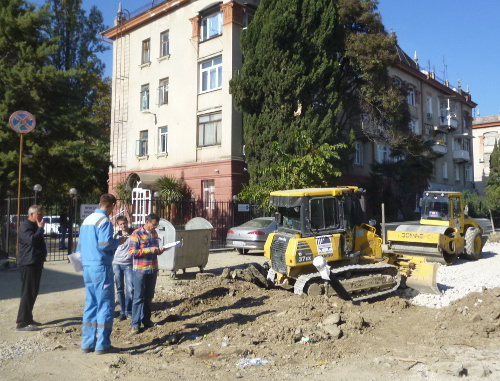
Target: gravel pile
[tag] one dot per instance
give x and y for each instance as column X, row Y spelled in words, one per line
column 21, row 348
column 461, row 278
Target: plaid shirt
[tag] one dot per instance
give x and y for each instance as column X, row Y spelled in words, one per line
column 139, row 247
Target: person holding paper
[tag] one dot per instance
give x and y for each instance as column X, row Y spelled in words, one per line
column 144, row 246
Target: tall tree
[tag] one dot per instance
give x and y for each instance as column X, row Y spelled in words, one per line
column 70, row 146
column 318, row 66
column 493, row 188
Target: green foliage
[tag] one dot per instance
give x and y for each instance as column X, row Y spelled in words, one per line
column 316, row 67
column 70, row 145
column 123, row 193
column 396, row 183
column 171, row 189
column 477, row 205
column 493, row 183
column 311, row 168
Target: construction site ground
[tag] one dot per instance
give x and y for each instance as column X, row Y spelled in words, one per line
column 215, row 327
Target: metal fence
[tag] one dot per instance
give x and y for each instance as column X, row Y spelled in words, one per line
column 221, row 214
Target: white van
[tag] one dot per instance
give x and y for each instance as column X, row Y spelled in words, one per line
column 51, row 225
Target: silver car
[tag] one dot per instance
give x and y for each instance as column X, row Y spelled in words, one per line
column 251, row 235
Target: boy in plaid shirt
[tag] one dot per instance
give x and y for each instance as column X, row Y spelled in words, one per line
column 144, row 247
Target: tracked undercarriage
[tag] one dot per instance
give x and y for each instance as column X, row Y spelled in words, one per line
column 360, row 282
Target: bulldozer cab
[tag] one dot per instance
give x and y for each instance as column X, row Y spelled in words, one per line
column 317, row 211
column 443, row 208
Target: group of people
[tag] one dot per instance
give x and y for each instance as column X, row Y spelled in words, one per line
column 128, row 258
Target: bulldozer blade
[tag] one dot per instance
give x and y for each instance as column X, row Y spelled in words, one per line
column 423, row 278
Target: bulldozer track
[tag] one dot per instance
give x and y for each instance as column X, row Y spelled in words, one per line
column 373, row 283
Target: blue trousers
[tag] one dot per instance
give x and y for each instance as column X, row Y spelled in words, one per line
column 144, row 291
column 99, row 307
column 124, row 287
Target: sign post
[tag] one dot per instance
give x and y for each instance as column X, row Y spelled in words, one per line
column 22, row 122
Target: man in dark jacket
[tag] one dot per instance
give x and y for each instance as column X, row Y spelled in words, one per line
column 31, row 256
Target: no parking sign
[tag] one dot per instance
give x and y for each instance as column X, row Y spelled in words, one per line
column 22, row 122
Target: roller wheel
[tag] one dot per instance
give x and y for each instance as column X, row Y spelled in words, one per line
column 473, row 244
column 242, row 251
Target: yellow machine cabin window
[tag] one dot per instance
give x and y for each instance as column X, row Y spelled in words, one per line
column 324, row 213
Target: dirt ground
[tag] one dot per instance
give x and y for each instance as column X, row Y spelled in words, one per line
column 215, row 327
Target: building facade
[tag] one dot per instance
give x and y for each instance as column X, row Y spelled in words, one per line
column 439, row 113
column 486, row 130
column 172, row 113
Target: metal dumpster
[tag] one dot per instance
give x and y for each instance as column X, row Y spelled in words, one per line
column 194, row 246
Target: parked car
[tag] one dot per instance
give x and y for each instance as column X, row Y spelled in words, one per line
column 52, row 226
column 251, row 235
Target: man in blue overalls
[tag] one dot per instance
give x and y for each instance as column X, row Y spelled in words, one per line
column 97, row 247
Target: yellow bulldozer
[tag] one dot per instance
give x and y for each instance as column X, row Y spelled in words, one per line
column 444, row 234
column 323, row 247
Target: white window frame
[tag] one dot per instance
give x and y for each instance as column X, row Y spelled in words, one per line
column 209, row 125
column 445, row 169
column 211, row 26
column 411, row 96
column 163, row 139
column 413, row 125
column 211, row 74
column 145, row 99
column 146, row 51
column 429, row 106
column 164, row 43
column 383, row 154
column 208, row 194
column 163, row 86
column 358, row 153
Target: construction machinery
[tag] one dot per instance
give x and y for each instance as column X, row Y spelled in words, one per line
column 445, row 231
column 327, row 223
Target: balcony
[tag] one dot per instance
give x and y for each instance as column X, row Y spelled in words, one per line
column 449, row 121
column 461, row 156
column 440, row 147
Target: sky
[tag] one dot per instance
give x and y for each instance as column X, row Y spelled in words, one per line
column 458, row 39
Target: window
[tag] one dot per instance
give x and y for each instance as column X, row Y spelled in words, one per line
column 411, row 96
column 358, row 153
column 324, row 214
column 490, row 138
column 163, row 92
column 211, row 26
column 145, row 97
column 142, row 144
column 466, row 145
column 384, row 153
column 164, row 44
column 429, row 107
column 413, row 126
column 208, row 194
column 146, row 50
column 209, row 129
column 162, row 139
column 468, row 173
column 457, row 172
column 211, row 74
column 445, row 170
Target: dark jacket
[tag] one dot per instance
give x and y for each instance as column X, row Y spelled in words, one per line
column 32, row 248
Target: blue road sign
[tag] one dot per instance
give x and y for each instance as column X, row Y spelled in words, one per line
column 22, row 122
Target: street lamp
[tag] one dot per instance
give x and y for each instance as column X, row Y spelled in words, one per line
column 37, row 188
column 72, row 211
